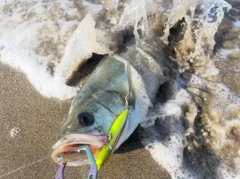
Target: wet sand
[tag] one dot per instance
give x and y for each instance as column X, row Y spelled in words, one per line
column 27, row 155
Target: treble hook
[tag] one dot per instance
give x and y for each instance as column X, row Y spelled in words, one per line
column 93, row 166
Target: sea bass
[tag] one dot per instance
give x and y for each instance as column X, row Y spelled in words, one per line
column 128, row 80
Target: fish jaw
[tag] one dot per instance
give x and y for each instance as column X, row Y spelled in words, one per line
column 65, row 150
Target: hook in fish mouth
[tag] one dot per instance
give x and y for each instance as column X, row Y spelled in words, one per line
column 93, row 168
column 66, row 149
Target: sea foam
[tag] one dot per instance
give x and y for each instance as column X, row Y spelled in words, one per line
column 196, row 122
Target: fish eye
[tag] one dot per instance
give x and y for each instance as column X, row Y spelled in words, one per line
column 85, row 118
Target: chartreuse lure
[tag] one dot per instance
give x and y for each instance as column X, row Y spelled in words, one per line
column 114, row 135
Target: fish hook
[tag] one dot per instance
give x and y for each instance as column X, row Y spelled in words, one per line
column 93, row 169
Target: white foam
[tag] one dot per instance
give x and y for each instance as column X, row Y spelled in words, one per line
column 172, row 109
column 226, row 173
column 79, row 48
column 93, row 8
column 236, row 23
column 37, row 74
column 29, row 41
column 169, row 153
column 136, row 13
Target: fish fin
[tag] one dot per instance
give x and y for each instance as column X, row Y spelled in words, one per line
column 130, row 97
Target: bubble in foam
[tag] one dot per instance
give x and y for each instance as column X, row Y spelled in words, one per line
column 227, row 174
column 171, row 109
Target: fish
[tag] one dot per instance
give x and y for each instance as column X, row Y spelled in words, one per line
column 124, row 83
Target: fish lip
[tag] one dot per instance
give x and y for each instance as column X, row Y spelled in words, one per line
column 69, row 143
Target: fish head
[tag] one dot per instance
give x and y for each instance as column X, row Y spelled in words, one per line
column 89, row 120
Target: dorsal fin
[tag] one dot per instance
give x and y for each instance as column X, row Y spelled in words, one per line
column 129, row 75
column 130, row 93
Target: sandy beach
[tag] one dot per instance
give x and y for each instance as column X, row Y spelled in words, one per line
column 27, row 155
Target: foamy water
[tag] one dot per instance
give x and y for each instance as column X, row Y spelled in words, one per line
column 197, row 131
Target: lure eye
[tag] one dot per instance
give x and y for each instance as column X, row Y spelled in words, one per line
column 85, row 118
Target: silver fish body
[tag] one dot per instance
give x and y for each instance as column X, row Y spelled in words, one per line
column 104, row 97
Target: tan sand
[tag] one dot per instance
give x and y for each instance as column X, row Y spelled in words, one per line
column 27, row 155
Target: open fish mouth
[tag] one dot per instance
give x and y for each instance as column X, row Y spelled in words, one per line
column 66, row 149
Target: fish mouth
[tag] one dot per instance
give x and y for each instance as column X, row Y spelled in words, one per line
column 66, row 149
